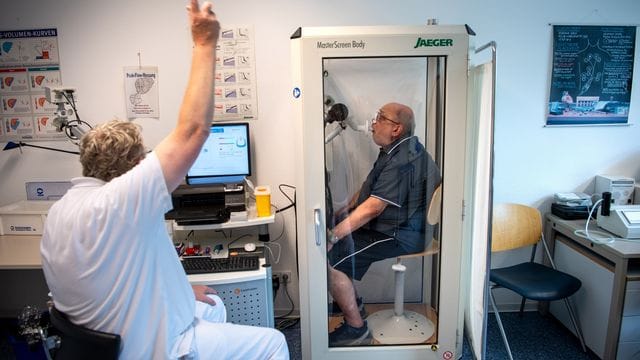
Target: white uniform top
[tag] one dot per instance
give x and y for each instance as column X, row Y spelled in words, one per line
column 111, row 266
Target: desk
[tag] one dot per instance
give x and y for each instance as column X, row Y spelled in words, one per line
column 19, row 252
column 608, row 304
column 22, row 280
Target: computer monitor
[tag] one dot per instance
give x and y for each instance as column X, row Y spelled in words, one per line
column 225, row 157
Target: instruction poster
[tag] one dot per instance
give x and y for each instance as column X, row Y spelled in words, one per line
column 29, row 62
column 591, row 76
column 235, row 77
column 141, row 92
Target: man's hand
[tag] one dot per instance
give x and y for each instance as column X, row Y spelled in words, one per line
column 205, row 28
column 201, row 291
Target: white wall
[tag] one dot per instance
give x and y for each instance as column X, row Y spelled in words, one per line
column 97, row 39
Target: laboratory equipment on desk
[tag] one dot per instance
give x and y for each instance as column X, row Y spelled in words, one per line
column 572, row 199
column 620, row 187
column 571, row 206
column 622, row 220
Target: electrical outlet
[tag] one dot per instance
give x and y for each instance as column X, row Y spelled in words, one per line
column 282, row 274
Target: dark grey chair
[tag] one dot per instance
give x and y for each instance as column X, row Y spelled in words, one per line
column 78, row 342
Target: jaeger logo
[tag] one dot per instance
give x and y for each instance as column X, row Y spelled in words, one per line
column 433, row 42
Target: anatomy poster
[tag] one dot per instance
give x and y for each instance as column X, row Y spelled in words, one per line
column 235, row 77
column 141, row 92
column 591, row 74
column 29, row 62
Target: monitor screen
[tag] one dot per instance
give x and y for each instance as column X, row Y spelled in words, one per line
column 225, row 156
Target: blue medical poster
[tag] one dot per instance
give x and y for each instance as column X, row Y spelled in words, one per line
column 591, row 75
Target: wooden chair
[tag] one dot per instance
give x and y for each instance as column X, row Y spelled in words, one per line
column 398, row 326
column 516, row 226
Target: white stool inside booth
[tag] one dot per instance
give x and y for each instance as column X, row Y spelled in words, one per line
column 397, row 325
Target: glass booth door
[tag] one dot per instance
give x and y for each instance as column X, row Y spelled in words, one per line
column 383, row 149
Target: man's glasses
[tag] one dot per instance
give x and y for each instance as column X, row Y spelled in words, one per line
column 379, row 117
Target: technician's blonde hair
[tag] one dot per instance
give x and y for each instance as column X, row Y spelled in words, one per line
column 111, row 149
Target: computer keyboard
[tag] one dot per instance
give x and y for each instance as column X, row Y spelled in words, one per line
column 207, row 265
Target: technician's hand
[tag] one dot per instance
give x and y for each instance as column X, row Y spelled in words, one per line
column 201, row 291
column 205, row 28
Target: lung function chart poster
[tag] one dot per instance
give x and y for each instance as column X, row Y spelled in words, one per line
column 29, row 62
column 235, row 77
column 591, row 74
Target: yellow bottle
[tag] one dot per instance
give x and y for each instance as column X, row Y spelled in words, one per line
column 263, row 200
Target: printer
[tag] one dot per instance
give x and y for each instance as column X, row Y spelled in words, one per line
column 202, row 204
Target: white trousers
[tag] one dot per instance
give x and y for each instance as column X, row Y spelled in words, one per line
column 217, row 339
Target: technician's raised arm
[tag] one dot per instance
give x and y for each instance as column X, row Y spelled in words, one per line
column 179, row 149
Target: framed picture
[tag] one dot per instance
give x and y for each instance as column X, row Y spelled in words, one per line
column 591, row 75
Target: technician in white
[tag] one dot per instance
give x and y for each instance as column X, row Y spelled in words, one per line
column 106, row 255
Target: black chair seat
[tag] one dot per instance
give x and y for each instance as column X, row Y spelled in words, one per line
column 536, row 281
column 81, row 343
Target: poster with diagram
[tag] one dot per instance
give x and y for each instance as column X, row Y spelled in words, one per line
column 235, row 90
column 141, row 92
column 29, row 62
column 591, row 76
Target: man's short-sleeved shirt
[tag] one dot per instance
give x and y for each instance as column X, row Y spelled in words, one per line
column 111, row 266
column 404, row 176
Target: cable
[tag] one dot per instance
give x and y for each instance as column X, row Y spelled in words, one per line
column 236, row 239
column 603, row 238
column 359, row 251
column 281, row 232
column 286, row 291
column 292, row 202
column 72, row 102
column 277, row 260
column 285, row 195
column 287, row 323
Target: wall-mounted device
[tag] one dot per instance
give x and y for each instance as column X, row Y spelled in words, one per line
column 620, row 187
column 65, row 100
column 623, row 220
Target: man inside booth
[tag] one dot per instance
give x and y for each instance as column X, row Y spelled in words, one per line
column 386, row 218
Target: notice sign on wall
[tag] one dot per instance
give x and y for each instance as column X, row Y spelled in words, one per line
column 591, row 74
column 141, row 92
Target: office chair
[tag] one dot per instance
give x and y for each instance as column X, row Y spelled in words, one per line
column 398, row 326
column 81, row 343
column 517, row 226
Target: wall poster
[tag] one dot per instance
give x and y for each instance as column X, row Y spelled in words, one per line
column 141, row 92
column 235, row 89
column 591, row 76
column 29, row 62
